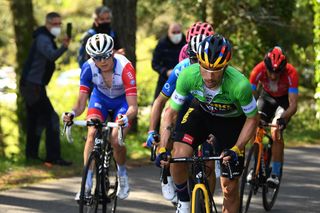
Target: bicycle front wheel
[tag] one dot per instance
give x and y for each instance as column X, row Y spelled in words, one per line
column 91, row 196
column 111, row 182
column 249, row 180
column 269, row 194
column 198, row 204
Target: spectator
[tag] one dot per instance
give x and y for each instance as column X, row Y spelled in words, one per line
column 102, row 24
column 36, row 74
column 166, row 55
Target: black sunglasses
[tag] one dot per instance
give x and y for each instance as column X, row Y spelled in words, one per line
column 102, row 57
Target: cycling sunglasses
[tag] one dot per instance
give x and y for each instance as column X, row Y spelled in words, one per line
column 102, row 57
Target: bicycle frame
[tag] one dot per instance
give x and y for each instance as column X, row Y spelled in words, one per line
column 260, row 133
column 200, row 178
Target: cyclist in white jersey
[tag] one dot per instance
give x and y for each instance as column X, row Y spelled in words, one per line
column 113, row 79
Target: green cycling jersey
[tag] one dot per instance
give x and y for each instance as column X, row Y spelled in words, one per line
column 233, row 97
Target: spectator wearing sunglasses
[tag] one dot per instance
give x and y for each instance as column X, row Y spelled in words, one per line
column 114, row 94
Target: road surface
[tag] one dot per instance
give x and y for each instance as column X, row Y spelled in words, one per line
column 299, row 193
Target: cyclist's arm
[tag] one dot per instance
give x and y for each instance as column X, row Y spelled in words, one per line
column 255, row 78
column 156, row 111
column 248, row 131
column 292, row 93
column 168, row 123
column 81, row 103
column 243, row 92
column 133, row 107
column 293, row 105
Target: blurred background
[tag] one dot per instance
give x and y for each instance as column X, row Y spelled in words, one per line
column 252, row 26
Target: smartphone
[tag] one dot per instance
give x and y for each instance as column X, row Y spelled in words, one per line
column 69, row 29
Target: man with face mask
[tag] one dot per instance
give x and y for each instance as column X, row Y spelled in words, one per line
column 166, row 55
column 102, row 24
column 36, row 75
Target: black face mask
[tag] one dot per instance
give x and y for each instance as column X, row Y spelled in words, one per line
column 103, row 28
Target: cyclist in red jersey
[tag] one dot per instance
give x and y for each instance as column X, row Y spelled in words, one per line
column 277, row 101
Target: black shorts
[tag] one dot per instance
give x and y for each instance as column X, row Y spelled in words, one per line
column 268, row 105
column 197, row 124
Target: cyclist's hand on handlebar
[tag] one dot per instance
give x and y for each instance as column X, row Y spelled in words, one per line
column 162, row 157
column 282, row 123
column 123, row 120
column 153, row 137
column 67, row 118
column 232, row 154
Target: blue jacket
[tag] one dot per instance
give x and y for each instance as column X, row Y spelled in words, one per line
column 40, row 64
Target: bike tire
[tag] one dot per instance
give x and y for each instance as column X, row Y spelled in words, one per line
column 111, row 181
column 200, row 206
column 249, row 185
column 90, row 202
column 269, row 195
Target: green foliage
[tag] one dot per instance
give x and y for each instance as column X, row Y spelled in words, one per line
column 316, row 32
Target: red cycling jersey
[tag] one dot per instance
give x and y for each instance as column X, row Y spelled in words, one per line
column 287, row 83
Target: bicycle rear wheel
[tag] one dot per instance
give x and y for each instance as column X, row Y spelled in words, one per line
column 249, row 181
column 269, row 194
column 111, row 182
column 90, row 198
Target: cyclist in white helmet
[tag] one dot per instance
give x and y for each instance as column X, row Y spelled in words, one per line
column 113, row 80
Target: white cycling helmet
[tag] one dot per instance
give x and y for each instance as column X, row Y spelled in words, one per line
column 99, row 45
column 194, row 44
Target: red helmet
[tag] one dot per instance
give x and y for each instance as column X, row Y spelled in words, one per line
column 199, row 28
column 275, row 60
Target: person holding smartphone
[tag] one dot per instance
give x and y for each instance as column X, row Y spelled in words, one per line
column 36, row 75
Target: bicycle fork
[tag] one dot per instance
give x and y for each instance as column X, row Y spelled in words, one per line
column 205, row 193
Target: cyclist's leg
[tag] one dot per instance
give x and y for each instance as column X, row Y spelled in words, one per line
column 207, row 150
column 277, row 146
column 190, row 134
column 282, row 103
column 225, row 140
column 96, row 110
column 119, row 151
column 179, row 171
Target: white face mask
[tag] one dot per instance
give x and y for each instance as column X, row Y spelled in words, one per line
column 176, row 38
column 55, row 31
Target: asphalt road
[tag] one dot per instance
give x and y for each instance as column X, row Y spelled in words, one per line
column 300, row 190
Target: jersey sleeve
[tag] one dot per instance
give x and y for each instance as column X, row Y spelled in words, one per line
column 293, row 78
column 170, row 84
column 129, row 80
column 255, row 75
column 246, row 99
column 86, row 78
column 180, row 95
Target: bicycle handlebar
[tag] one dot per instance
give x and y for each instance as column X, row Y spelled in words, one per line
column 193, row 159
column 67, row 129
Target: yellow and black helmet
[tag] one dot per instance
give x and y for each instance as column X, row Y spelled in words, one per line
column 214, row 52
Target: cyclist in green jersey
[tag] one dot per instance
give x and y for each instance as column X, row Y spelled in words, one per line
column 224, row 106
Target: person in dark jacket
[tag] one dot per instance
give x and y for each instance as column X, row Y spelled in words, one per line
column 102, row 24
column 36, row 75
column 166, row 56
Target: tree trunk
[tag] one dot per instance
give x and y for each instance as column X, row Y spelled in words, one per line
column 317, row 54
column 124, row 22
column 23, row 22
